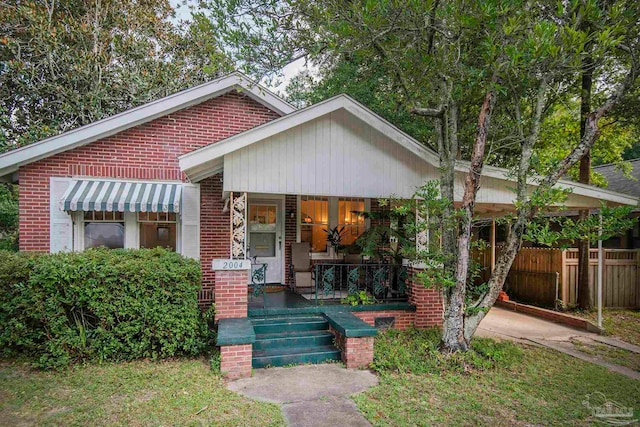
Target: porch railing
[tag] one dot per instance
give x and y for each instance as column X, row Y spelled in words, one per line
column 258, row 285
column 382, row 282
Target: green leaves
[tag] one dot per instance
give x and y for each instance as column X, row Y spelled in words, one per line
column 68, row 63
column 100, row 304
column 566, row 231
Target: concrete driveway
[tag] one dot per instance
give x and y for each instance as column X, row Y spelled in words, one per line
column 506, row 324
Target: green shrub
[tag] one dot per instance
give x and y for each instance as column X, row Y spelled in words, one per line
column 214, row 362
column 417, row 351
column 100, row 304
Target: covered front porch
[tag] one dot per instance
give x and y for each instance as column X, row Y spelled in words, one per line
column 285, row 186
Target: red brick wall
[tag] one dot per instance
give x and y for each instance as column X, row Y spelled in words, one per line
column 148, row 151
column 356, row 352
column 428, row 302
column 231, row 294
column 215, row 233
column 404, row 319
column 290, row 230
column 235, row 361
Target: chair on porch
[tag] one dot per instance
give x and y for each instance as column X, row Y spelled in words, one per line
column 300, row 269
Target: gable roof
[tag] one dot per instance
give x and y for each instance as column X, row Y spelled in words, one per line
column 209, row 160
column 618, row 182
column 12, row 160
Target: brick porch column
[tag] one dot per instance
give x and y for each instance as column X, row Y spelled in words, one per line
column 428, row 302
column 235, row 332
column 235, row 338
column 356, row 352
column 235, row 361
column 231, row 293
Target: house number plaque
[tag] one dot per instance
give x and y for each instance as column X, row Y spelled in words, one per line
column 231, row 264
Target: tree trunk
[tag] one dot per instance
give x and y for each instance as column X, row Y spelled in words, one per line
column 528, row 210
column 453, row 336
column 584, row 292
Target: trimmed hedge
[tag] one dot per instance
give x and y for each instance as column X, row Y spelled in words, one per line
column 100, row 304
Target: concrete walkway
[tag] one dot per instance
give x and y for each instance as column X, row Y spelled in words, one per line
column 310, row 395
column 506, row 324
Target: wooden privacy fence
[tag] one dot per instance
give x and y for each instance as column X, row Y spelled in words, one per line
column 540, row 275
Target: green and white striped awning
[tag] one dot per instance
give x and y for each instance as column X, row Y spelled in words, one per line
column 121, row 196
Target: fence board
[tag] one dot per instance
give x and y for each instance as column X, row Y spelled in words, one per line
column 621, row 276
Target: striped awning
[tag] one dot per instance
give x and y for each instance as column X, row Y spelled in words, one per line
column 122, row 196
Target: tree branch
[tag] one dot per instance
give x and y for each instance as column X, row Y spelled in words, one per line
column 437, row 113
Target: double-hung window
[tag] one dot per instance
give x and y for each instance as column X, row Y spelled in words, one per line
column 318, row 214
column 157, row 229
column 314, row 219
column 103, row 229
column 351, row 218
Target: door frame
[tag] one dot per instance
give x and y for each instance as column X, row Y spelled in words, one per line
column 279, row 201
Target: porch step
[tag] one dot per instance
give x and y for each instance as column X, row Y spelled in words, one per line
column 297, row 339
column 289, row 324
column 293, row 339
column 294, row 356
column 286, row 318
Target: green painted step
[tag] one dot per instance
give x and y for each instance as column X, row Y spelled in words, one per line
column 293, row 339
column 274, row 326
column 294, row 355
column 279, row 319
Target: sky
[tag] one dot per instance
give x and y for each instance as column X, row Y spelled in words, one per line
column 183, row 13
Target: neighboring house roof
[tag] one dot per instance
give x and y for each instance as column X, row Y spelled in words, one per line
column 12, row 160
column 620, row 183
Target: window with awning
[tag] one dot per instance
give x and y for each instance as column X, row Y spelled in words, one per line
column 116, row 214
column 121, row 196
column 131, row 214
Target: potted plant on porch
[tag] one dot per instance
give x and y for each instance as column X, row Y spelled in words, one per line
column 334, row 238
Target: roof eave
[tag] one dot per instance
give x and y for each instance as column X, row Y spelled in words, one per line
column 12, row 160
column 576, row 187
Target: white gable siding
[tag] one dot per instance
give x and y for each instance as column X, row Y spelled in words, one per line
column 333, row 155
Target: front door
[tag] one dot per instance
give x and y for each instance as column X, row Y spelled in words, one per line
column 265, row 236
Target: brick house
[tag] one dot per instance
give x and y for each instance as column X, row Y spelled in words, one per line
column 228, row 170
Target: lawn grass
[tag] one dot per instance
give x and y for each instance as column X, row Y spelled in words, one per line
column 141, row 393
column 498, row 384
column 622, row 324
column 516, row 385
column 609, row 353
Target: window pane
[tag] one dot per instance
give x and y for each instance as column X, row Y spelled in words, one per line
column 314, row 218
column 315, row 235
column 156, row 217
column 348, row 218
column 160, row 234
column 314, row 210
column 262, row 218
column 262, row 244
column 108, row 234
